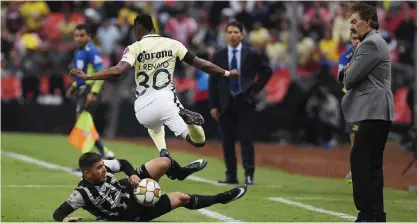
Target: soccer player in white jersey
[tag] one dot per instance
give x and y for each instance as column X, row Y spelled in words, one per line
column 154, row 58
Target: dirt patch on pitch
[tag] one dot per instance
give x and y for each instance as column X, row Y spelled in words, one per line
column 309, row 161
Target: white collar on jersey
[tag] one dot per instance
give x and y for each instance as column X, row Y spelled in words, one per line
column 150, row 35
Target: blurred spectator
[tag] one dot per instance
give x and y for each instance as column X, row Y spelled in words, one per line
column 181, row 27
column 259, row 35
column 8, row 68
column 35, row 13
column 324, row 117
column 66, row 28
column 341, row 24
column 305, row 46
column 329, row 47
column 57, row 67
column 28, row 41
column 14, row 19
column 32, row 70
column 276, row 52
column 243, row 10
column 108, row 35
column 127, row 14
column 318, row 17
column 95, row 15
column 405, row 34
column 260, row 13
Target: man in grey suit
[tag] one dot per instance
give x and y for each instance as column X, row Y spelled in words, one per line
column 368, row 103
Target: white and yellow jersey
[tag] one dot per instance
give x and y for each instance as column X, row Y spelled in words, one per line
column 154, row 59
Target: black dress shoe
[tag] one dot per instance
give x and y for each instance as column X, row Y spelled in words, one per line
column 249, row 180
column 228, row 181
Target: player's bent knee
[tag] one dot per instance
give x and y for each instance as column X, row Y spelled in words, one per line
column 158, row 167
column 178, row 199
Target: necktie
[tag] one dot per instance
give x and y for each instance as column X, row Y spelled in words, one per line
column 234, row 82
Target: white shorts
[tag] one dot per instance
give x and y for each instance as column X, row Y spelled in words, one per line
column 162, row 111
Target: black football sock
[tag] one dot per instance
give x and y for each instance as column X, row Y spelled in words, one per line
column 201, row 201
column 175, row 171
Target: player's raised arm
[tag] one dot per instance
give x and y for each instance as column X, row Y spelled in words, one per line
column 122, row 165
column 110, row 73
column 74, row 202
column 127, row 62
column 184, row 55
column 119, row 165
column 210, row 67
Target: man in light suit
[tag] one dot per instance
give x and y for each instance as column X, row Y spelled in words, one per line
column 369, row 103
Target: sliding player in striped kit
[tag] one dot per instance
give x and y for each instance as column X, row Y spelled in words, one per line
column 154, row 59
column 87, row 58
column 344, row 60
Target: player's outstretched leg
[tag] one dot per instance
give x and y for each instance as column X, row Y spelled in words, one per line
column 158, row 167
column 196, row 201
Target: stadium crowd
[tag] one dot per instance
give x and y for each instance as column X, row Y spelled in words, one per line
column 37, row 46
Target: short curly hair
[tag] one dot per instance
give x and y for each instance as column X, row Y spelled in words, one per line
column 145, row 21
column 367, row 13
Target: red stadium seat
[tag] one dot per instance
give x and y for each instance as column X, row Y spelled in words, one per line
column 278, row 85
column 77, row 18
column 10, row 87
column 44, row 86
column 402, row 110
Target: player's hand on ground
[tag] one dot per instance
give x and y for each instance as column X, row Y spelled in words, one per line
column 214, row 112
column 72, row 219
column 79, row 73
column 91, row 98
column 234, row 73
column 70, row 92
column 134, row 180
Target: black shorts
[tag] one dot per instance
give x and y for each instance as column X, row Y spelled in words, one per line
column 137, row 212
column 351, row 127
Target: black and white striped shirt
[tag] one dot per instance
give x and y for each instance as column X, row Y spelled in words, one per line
column 108, row 200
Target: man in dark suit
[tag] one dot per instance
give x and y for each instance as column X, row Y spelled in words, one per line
column 368, row 103
column 232, row 100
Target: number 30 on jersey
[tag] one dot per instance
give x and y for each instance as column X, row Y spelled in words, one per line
column 143, row 79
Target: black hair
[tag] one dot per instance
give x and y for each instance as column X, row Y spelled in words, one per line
column 145, row 21
column 83, row 27
column 235, row 24
column 87, row 160
column 367, row 13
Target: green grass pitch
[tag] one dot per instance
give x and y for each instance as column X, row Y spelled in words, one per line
column 19, row 202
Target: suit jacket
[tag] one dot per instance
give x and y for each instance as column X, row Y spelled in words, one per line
column 368, row 81
column 251, row 65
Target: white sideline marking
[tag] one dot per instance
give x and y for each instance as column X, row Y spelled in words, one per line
column 204, row 180
column 39, row 186
column 334, row 199
column 28, row 159
column 216, row 215
column 312, row 208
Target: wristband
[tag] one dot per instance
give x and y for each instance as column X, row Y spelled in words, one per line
column 226, row 73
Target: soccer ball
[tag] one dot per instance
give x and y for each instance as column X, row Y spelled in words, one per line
column 148, row 192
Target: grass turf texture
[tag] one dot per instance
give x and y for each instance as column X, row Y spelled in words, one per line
column 38, row 203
